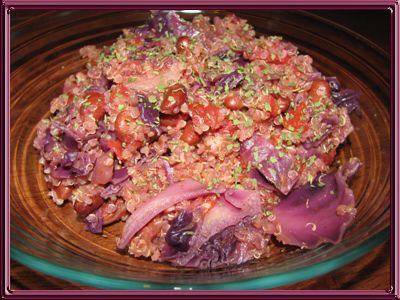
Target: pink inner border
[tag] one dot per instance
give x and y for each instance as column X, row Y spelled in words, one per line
column 342, row 4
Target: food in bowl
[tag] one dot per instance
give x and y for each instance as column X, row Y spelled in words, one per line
column 206, row 140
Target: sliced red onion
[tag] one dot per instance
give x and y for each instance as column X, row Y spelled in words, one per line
column 175, row 193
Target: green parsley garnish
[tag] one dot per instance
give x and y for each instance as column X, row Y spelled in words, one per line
column 231, row 146
column 161, row 87
column 132, row 79
column 273, row 160
column 152, row 99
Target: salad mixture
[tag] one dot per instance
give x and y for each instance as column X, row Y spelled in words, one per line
column 205, row 139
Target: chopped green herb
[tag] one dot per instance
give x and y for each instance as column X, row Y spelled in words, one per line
column 132, row 79
column 310, row 178
column 171, row 99
column 273, row 160
column 152, row 99
column 226, row 88
column 267, row 213
column 231, row 146
column 272, row 171
column 186, row 148
column 248, row 166
column 255, row 154
column 311, row 160
column 161, row 87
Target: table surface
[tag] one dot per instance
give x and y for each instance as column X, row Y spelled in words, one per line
column 371, row 272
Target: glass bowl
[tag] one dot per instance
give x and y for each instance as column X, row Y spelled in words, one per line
column 44, row 52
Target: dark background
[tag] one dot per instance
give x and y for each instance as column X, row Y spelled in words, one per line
column 372, row 24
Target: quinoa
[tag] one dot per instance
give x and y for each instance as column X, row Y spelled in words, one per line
column 167, row 103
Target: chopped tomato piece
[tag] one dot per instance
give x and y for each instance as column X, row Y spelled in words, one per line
column 137, row 41
column 120, row 93
column 227, row 127
column 329, row 156
column 172, row 120
column 276, row 59
column 125, row 124
column 93, row 105
column 63, row 192
column 115, row 147
column 70, row 98
column 189, row 135
column 234, row 101
column 271, row 105
column 320, row 92
column 296, row 119
column 274, row 139
column 299, row 165
column 210, row 114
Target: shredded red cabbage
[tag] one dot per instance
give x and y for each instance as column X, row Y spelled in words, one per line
column 319, row 212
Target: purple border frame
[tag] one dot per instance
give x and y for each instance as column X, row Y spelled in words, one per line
column 6, row 9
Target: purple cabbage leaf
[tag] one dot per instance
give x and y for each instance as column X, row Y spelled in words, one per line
column 319, row 212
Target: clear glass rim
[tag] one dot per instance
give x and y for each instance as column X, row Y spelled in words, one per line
column 264, row 282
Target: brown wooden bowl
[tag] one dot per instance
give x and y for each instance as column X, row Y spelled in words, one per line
column 44, row 52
